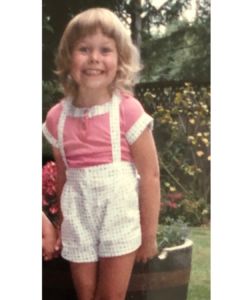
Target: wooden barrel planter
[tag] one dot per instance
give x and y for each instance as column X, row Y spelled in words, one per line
column 165, row 277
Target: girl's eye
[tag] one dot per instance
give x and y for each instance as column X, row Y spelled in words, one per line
column 83, row 49
column 106, row 50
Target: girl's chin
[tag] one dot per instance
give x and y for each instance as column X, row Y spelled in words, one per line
column 95, row 83
column 94, row 87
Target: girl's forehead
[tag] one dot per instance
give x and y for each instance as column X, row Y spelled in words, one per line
column 97, row 36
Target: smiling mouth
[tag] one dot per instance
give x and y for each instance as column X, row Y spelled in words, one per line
column 91, row 72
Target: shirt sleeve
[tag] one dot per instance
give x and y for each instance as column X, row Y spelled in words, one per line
column 135, row 119
column 50, row 125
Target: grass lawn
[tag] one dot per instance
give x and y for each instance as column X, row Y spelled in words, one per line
column 199, row 287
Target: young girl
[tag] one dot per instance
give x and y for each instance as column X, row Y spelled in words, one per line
column 108, row 174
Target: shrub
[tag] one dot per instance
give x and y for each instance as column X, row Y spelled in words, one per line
column 174, row 233
column 51, row 95
column 182, row 133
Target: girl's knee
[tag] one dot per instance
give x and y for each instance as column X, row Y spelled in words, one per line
column 84, row 279
column 85, row 291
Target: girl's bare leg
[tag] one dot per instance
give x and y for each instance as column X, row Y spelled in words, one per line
column 114, row 276
column 84, row 279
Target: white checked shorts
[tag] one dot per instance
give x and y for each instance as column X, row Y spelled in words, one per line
column 101, row 213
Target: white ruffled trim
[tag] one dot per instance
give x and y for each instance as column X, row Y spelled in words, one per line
column 138, row 127
column 90, row 112
column 49, row 136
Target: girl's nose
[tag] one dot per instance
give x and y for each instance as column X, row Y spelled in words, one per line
column 94, row 56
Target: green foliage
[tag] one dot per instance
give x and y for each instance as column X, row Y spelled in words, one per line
column 182, row 53
column 51, row 93
column 172, row 234
column 163, row 14
column 193, row 211
column 182, row 135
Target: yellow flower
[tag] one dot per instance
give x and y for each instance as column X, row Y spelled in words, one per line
column 205, row 141
column 192, row 139
column 199, row 134
column 178, row 98
column 191, row 121
column 149, row 96
column 160, row 108
column 172, row 189
column 209, row 158
column 200, row 153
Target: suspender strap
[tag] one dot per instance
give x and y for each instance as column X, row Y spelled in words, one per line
column 60, row 128
column 115, row 129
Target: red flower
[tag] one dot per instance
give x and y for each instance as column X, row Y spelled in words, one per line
column 172, row 204
column 44, row 202
column 49, row 191
column 174, row 196
column 49, row 174
column 53, row 209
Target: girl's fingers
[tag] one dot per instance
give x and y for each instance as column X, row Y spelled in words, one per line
column 143, row 255
column 58, row 245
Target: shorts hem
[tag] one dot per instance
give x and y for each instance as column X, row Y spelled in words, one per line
column 81, row 260
column 115, row 253
column 74, row 255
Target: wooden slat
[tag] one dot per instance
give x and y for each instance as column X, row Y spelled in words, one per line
column 158, row 280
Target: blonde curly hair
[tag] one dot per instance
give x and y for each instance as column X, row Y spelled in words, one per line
column 87, row 23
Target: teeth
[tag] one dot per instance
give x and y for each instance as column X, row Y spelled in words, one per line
column 92, row 72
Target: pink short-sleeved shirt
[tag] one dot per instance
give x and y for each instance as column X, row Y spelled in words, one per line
column 86, row 132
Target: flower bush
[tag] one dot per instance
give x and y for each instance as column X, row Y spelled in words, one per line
column 182, row 134
column 49, row 195
column 176, row 205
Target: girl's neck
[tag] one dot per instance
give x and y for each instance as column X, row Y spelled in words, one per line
column 90, row 98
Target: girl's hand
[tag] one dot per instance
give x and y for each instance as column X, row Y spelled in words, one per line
column 49, row 238
column 48, row 243
column 58, row 244
column 147, row 250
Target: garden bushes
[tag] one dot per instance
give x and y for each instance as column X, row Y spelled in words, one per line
column 182, row 134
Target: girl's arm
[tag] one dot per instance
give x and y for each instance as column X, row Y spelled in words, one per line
column 61, row 177
column 49, row 238
column 145, row 157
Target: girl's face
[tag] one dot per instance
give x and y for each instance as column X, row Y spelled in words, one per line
column 94, row 62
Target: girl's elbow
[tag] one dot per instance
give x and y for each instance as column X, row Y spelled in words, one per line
column 153, row 177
